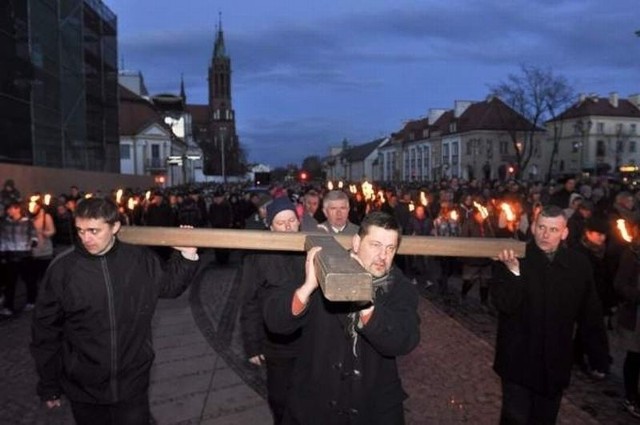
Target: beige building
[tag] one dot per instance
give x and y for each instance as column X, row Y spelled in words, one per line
column 475, row 139
column 596, row 135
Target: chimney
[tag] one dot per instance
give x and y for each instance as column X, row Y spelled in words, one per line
column 613, row 99
column 460, row 107
column 635, row 99
column 582, row 98
column 435, row 114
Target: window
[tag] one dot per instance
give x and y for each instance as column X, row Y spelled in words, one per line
column 453, row 127
column 504, row 147
column 155, row 151
column 125, row 151
column 632, row 129
column 470, row 147
column 601, row 148
column 619, row 128
column 619, row 146
column 600, row 128
column 632, row 146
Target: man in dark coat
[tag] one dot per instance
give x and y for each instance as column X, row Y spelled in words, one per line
column 91, row 335
column 540, row 299
column 346, row 369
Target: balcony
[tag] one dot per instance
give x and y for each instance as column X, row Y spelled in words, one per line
column 155, row 164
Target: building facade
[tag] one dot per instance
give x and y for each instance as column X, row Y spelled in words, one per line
column 58, row 84
column 596, row 135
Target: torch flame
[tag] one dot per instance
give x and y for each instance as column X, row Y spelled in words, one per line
column 423, row 199
column 119, row 196
column 367, row 191
column 508, row 212
column 32, row 203
column 147, row 195
column 131, row 203
column 381, row 196
column 353, row 189
column 88, row 195
column 483, row 211
column 453, row 215
column 411, row 207
column 622, row 227
column 47, row 199
column 340, row 184
column 330, row 185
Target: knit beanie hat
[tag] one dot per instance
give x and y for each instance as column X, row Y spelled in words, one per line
column 280, row 204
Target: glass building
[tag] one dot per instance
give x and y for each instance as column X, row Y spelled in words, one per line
column 59, row 84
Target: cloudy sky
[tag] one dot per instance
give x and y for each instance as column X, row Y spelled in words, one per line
column 306, row 75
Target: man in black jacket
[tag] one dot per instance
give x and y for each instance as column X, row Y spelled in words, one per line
column 91, row 334
column 346, row 372
column 540, row 299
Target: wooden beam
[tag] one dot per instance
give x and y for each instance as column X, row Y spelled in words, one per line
column 340, row 277
column 281, row 241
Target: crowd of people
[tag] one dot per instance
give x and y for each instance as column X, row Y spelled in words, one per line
column 581, row 270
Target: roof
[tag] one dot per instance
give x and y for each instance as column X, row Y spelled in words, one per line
column 361, row 152
column 199, row 114
column 136, row 113
column 415, row 127
column 600, row 106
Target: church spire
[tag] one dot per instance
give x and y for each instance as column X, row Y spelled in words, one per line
column 218, row 48
column 183, row 94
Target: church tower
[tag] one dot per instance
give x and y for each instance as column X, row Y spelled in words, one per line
column 222, row 155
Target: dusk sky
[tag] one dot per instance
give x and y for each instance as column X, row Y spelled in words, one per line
column 306, row 75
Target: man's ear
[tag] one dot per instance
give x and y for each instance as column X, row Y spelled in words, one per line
column 116, row 227
column 355, row 243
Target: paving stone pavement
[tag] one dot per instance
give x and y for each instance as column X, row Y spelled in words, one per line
column 201, row 377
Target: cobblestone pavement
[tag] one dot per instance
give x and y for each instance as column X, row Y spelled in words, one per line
column 448, row 377
column 458, row 348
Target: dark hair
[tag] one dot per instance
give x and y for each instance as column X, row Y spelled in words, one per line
column 552, row 211
column 97, row 208
column 378, row 219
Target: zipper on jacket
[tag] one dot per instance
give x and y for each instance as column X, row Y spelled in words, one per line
column 113, row 379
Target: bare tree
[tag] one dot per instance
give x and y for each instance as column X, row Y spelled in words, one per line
column 538, row 95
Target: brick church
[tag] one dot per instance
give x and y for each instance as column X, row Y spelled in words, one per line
column 214, row 125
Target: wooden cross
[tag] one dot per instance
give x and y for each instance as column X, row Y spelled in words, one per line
column 341, row 278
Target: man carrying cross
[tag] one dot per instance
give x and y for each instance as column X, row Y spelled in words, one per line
column 91, row 335
column 346, row 370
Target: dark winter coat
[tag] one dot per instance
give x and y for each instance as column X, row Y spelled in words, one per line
column 262, row 272
column 91, row 334
column 538, row 311
column 331, row 385
column 627, row 286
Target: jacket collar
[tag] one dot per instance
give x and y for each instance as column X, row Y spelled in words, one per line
column 561, row 258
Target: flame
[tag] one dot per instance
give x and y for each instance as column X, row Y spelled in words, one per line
column 367, row 191
column 47, row 199
column 147, row 195
column 330, row 185
column 381, row 196
column 88, row 195
column 411, row 206
column 131, row 203
column 622, row 227
column 353, row 189
column 453, row 215
column 33, row 200
column 340, row 184
column 423, row 199
column 118, row 196
column 483, row 211
column 508, row 212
